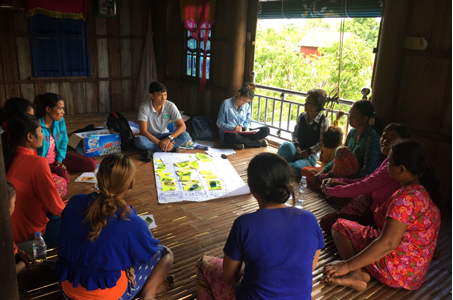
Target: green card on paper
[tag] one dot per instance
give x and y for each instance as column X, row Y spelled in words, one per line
column 201, row 156
column 182, row 164
column 166, row 178
column 169, row 188
column 185, row 178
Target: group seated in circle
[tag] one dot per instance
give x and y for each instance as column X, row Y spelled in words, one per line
column 387, row 185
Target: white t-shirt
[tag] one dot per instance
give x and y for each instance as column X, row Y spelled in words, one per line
column 157, row 123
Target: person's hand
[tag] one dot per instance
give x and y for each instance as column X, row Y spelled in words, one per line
column 298, row 153
column 319, row 174
column 166, row 145
column 20, row 266
column 324, row 185
column 237, row 128
column 340, row 114
column 337, row 182
column 336, row 269
column 27, row 259
column 247, row 129
column 303, row 154
column 59, row 164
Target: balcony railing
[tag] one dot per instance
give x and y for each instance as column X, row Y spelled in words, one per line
column 280, row 115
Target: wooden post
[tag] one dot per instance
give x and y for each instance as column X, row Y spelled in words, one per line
column 386, row 81
column 252, row 20
column 8, row 279
column 238, row 24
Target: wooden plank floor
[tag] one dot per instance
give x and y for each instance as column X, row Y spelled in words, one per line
column 192, row 229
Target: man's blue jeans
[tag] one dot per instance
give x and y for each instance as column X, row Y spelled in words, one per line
column 143, row 143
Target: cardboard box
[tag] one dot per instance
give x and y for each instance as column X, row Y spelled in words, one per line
column 95, row 143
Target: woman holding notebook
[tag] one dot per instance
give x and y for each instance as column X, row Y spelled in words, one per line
column 234, row 121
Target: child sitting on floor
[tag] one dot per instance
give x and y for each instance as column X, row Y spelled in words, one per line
column 331, row 139
column 30, row 275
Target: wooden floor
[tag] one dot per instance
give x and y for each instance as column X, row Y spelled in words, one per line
column 192, row 229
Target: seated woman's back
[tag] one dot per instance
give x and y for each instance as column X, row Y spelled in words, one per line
column 103, row 241
column 121, row 243
column 278, row 247
column 279, row 244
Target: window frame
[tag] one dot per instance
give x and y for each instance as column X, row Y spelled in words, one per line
column 62, row 38
column 198, row 53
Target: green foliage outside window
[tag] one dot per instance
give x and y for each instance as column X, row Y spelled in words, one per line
column 278, row 63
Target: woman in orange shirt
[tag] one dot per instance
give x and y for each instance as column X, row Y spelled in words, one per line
column 30, row 174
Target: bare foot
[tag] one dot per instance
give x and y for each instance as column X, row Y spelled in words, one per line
column 168, row 284
column 354, row 280
column 365, row 275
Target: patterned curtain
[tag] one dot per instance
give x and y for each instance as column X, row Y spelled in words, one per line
column 198, row 15
column 73, row 9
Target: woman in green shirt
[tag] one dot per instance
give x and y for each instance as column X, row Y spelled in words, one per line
column 361, row 154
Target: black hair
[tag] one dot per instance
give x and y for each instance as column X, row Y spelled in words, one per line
column 333, row 137
column 319, row 97
column 366, row 108
column 412, row 156
column 13, row 106
column 157, row 87
column 268, row 174
column 247, row 90
column 402, row 130
column 19, row 126
column 47, row 100
column 11, row 190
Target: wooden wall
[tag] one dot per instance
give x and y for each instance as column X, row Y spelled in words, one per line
column 414, row 87
column 116, row 46
column 228, row 55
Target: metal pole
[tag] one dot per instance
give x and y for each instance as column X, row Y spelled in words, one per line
column 8, row 277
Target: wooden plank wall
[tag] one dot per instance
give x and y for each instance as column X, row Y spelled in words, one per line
column 228, row 55
column 116, row 46
column 418, row 88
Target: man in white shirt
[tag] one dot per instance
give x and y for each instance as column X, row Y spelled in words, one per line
column 153, row 117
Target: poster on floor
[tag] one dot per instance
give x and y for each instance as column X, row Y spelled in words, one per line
column 195, row 177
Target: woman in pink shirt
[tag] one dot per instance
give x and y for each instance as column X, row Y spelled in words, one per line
column 362, row 196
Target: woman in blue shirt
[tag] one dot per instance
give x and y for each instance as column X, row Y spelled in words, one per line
column 103, row 242
column 49, row 108
column 234, row 115
column 278, row 244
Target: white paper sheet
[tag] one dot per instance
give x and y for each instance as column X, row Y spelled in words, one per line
column 231, row 182
column 218, row 152
column 86, row 174
column 150, row 221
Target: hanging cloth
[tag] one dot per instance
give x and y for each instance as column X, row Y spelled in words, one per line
column 74, row 9
column 197, row 17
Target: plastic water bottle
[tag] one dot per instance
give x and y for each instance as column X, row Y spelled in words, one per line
column 39, row 248
column 302, row 191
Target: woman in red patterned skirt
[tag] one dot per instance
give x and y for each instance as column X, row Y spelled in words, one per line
column 399, row 251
